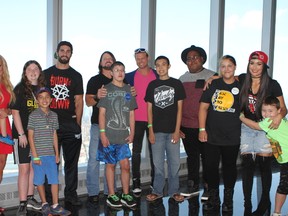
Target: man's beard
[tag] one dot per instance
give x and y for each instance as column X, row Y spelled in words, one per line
column 107, row 67
column 63, row 61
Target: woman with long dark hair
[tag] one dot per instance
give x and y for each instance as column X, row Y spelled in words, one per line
column 255, row 147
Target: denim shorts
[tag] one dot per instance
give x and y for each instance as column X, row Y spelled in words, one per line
column 48, row 167
column 254, row 141
column 113, row 153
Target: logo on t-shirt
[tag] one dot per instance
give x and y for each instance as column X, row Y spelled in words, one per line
column 252, row 103
column 164, row 96
column 223, row 101
column 60, row 92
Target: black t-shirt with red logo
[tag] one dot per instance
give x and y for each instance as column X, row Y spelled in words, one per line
column 64, row 85
column 274, row 89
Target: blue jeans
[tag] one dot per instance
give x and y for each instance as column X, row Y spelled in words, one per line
column 163, row 144
column 93, row 166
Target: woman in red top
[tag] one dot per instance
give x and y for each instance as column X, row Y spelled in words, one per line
column 6, row 97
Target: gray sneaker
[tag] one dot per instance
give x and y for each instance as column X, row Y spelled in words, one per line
column 22, row 210
column 33, row 203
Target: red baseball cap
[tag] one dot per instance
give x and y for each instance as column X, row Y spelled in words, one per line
column 260, row 55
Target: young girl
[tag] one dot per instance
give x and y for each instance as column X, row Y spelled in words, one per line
column 31, row 79
column 219, row 130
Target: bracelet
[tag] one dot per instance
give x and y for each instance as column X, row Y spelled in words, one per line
column 96, row 98
column 201, row 129
column 149, row 125
column 36, row 159
column 102, row 130
column 22, row 134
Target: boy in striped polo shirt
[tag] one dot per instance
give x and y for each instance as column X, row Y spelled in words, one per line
column 43, row 140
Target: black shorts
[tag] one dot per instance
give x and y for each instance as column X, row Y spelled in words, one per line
column 283, row 184
column 21, row 155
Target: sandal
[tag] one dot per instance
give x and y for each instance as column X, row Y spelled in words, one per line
column 153, row 197
column 178, row 197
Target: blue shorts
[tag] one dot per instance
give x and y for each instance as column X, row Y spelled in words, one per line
column 113, row 153
column 254, row 141
column 48, row 168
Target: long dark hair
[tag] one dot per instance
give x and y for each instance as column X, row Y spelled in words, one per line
column 261, row 94
column 25, row 82
column 108, row 52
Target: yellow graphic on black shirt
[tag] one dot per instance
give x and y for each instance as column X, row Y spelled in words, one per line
column 222, row 101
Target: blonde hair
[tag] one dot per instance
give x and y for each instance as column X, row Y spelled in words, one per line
column 5, row 80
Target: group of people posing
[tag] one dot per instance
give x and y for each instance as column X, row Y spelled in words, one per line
column 203, row 108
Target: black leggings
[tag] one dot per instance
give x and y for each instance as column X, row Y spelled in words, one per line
column 228, row 156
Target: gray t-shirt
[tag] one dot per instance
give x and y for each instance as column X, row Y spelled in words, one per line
column 118, row 104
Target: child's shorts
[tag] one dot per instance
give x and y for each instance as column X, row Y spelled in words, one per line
column 254, row 141
column 113, row 153
column 48, row 168
column 283, row 184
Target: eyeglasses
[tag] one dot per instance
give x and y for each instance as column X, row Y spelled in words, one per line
column 140, row 50
column 193, row 58
column 119, row 70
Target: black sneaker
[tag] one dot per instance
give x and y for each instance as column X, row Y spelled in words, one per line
column 193, row 190
column 205, row 195
column 114, row 201
column 136, row 186
column 128, row 200
column 22, row 210
column 33, row 203
column 93, row 199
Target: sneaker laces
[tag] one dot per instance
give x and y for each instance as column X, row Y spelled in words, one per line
column 114, row 197
column 128, row 197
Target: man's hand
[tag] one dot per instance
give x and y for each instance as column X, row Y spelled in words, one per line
column 102, row 92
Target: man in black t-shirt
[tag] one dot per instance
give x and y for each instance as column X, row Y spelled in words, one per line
column 66, row 85
column 93, row 93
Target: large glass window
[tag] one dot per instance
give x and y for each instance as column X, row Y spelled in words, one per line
column 94, row 27
column 281, row 44
column 180, row 24
column 242, row 30
column 23, row 37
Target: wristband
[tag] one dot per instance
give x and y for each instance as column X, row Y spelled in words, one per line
column 96, row 98
column 36, row 159
column 22, row 134
column 149, row 125
column 201, row 129
column 102, row 130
